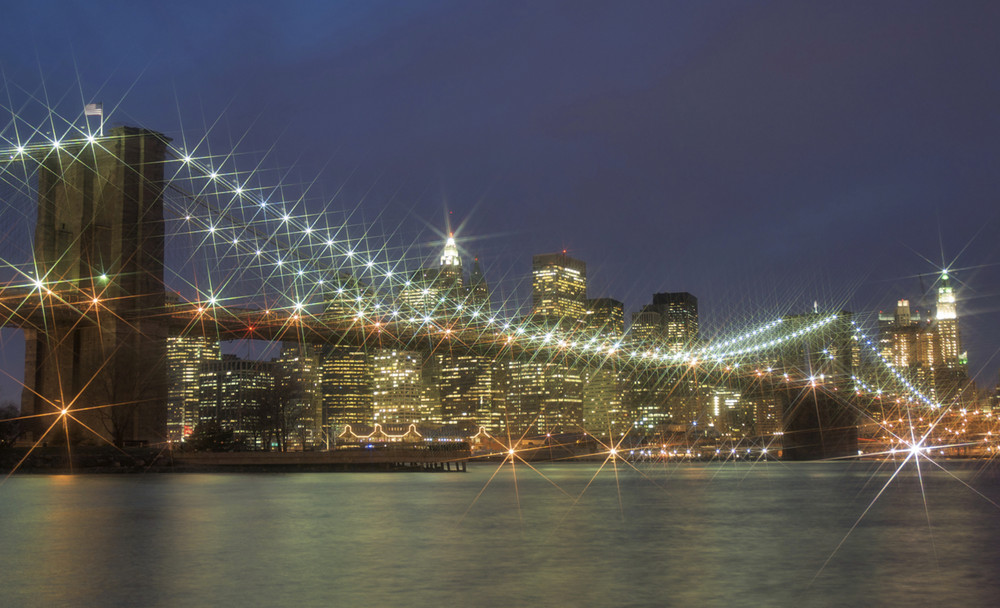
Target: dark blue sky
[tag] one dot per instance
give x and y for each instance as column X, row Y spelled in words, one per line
column 760, row 155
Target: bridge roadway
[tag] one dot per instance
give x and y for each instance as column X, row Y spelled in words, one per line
column 38, row 308
column 805, row 386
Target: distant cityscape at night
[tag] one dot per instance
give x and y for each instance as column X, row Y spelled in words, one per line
column 334, row 394
column 500, row 304
column 372, row 356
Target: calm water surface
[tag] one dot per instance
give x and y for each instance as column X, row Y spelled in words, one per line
column 692, row 535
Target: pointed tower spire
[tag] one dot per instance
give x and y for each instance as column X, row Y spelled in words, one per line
column 449, row 274
column 450, row 256
column 946, row 299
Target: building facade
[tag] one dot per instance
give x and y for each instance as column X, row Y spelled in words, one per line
column 185, row 357
column 559, row 290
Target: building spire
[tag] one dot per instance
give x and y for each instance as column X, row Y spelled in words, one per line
column 946, row 299
column 450, row 256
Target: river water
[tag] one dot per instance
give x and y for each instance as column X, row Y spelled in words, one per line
column 770, row 534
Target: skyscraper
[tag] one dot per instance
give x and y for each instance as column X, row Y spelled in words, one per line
column 430, row 288
column 606, row 318
column 450, row 277
column 420, row 295
column 949, row 342
column 185, row 357
column 559, row 290
column 668, row 324
column 678, row 318
column 898, row 336
column 298, row 375
column 951, row 370
column 236, row 394
column 430, row 387
column 345, row 298
column 347, row 380
column 603, row 407
column 479, row 293
column 397, row 386
column 547, row 395
column 466, row 388
column 646, row 327
column 544, row 397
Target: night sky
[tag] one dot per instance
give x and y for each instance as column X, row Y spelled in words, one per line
column 760, row 155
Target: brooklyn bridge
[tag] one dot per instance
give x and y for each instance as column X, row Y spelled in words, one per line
column 97, row 302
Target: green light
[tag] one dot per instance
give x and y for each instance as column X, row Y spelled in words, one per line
column 104, row 277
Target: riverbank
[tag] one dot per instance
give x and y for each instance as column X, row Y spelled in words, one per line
column 56, row 460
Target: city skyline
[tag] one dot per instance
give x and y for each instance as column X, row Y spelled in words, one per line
column 442, row 279
column 681, row 302
column 721, row 162
column 478, row 394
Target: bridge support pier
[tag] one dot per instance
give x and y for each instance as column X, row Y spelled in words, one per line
column 96, row 345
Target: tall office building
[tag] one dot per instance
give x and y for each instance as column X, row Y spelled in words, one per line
column 430, row 388
column 653, row 400
column 949, row 342
column 397, row 386
column 951, row 378
column 298, row 376
column 499, row 394
column 236, row 393
column 465, row 385
column 419, row 296
column 479, row 293
column 910, row 343
column 928, row 353
column 669, row 323
column 898, row 332
column 647, row 327
column 345, row 297
column 605, row 318
column 544, row 397
column 428, row 289
column 347, row 380
column 450, row 277
column 679, row 319
column 731, row 416
column 185, row 357
column 559, row 290
column 604, row 412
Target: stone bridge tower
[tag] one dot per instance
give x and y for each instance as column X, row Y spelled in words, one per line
column 99, row 341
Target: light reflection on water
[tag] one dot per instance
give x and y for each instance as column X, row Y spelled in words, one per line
column 688, row 535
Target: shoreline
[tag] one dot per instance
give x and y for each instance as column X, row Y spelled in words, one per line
column 54, row 460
